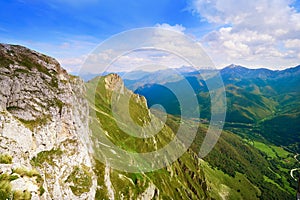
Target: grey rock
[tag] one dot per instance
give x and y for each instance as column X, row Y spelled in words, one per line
column 42, row 108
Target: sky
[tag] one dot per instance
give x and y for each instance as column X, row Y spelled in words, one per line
column 255, row 34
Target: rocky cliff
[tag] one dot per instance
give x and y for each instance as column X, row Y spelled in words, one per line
column 43, row 128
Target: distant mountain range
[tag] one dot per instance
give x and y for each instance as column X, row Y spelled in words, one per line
column 236, row 70
column 139, row 74
column 267, row 99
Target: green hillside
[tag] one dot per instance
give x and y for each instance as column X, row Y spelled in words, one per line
column 184, row 179
column 266, row 101
column 235, row 168
column 233, row 156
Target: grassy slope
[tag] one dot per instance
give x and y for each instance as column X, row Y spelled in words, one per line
column 259, row 164
column 223, row 185
column 234, row 156
column 183, row 179
column 231, row 158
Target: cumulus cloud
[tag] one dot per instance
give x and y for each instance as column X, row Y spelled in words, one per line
column 292, row 43
column 72, row 64
column 257, row 32
column 176, row 27
column 147, row 60
column 154, row 46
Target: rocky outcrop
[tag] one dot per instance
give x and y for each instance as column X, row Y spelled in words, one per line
column 44, row 126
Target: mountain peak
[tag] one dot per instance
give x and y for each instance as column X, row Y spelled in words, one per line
column 234, row 66
column 113, row 81
column 234, row 69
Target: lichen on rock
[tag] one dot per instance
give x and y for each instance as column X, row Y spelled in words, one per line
column 43, row 125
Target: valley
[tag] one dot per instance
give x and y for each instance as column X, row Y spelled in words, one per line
column 260, row 110
column 76, row 142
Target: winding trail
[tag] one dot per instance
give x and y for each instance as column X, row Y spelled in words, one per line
column 295, row 169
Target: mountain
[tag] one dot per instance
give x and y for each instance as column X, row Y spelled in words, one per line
column 61, row 138
column 237, row 71
column 258, row 97
column 275, row 102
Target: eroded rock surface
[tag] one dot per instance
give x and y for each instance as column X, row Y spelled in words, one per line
column 44, row 126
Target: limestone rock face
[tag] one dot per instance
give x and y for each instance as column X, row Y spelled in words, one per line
column 113, row 81
column 44, row 127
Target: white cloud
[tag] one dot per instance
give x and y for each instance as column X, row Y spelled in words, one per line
column 72, row 64
column 176, row 27
column 137, row 48
column 141, row 59
column 255, row 33
column 292, row 44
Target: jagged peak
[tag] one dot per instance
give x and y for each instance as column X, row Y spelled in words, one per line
column 112, row 81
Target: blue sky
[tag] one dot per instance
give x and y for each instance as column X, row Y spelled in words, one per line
column 253, row 33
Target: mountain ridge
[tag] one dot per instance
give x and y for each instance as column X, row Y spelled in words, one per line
column 186, row 70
